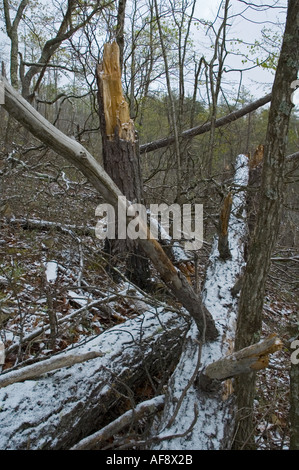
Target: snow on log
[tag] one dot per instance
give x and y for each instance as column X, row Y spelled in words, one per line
column 58, row 409
column 210, row 412
column 75, row 153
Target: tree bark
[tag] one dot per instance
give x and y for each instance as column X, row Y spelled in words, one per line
column 223, row 245
column 12, row 32
column 294, row 407
column 57, row 409
column 268, row 218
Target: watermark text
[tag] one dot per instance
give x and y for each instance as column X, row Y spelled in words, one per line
column 161, row 221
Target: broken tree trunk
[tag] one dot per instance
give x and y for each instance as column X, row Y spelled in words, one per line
column 120, row 156
column 57, row 409
column 206, row 417
column 223, row 245
column 75, row 153
column 252, row 358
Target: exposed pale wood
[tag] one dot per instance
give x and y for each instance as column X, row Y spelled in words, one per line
column 258, row 156
column 252, row 358
column 40, row 368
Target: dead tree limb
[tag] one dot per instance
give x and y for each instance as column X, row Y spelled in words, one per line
column 40, row 368
column 206, row 127
column 146, row 408
column 74, row 152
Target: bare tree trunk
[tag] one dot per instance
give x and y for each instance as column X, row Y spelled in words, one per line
column 173, row 117
column 12, row 32
column 268, row 218
column 121, row 13
column 223, row 245
column 294, row 407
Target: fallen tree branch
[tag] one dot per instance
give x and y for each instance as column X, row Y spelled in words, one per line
column 48, row 365
column 143, row 409
column 244, row 361
column 203, row 128
column 58, row 409
column 48, row 225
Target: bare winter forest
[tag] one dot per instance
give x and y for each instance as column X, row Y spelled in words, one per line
column 142, row 342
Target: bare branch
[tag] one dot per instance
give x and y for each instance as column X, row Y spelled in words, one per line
column 206, row 127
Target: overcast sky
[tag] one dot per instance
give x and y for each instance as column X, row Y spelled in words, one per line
column 248, row 19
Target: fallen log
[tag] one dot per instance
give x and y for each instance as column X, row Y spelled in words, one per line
column 58, row 409
column 213, row 428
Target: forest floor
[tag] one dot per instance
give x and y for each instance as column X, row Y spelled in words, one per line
column 49, row 273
